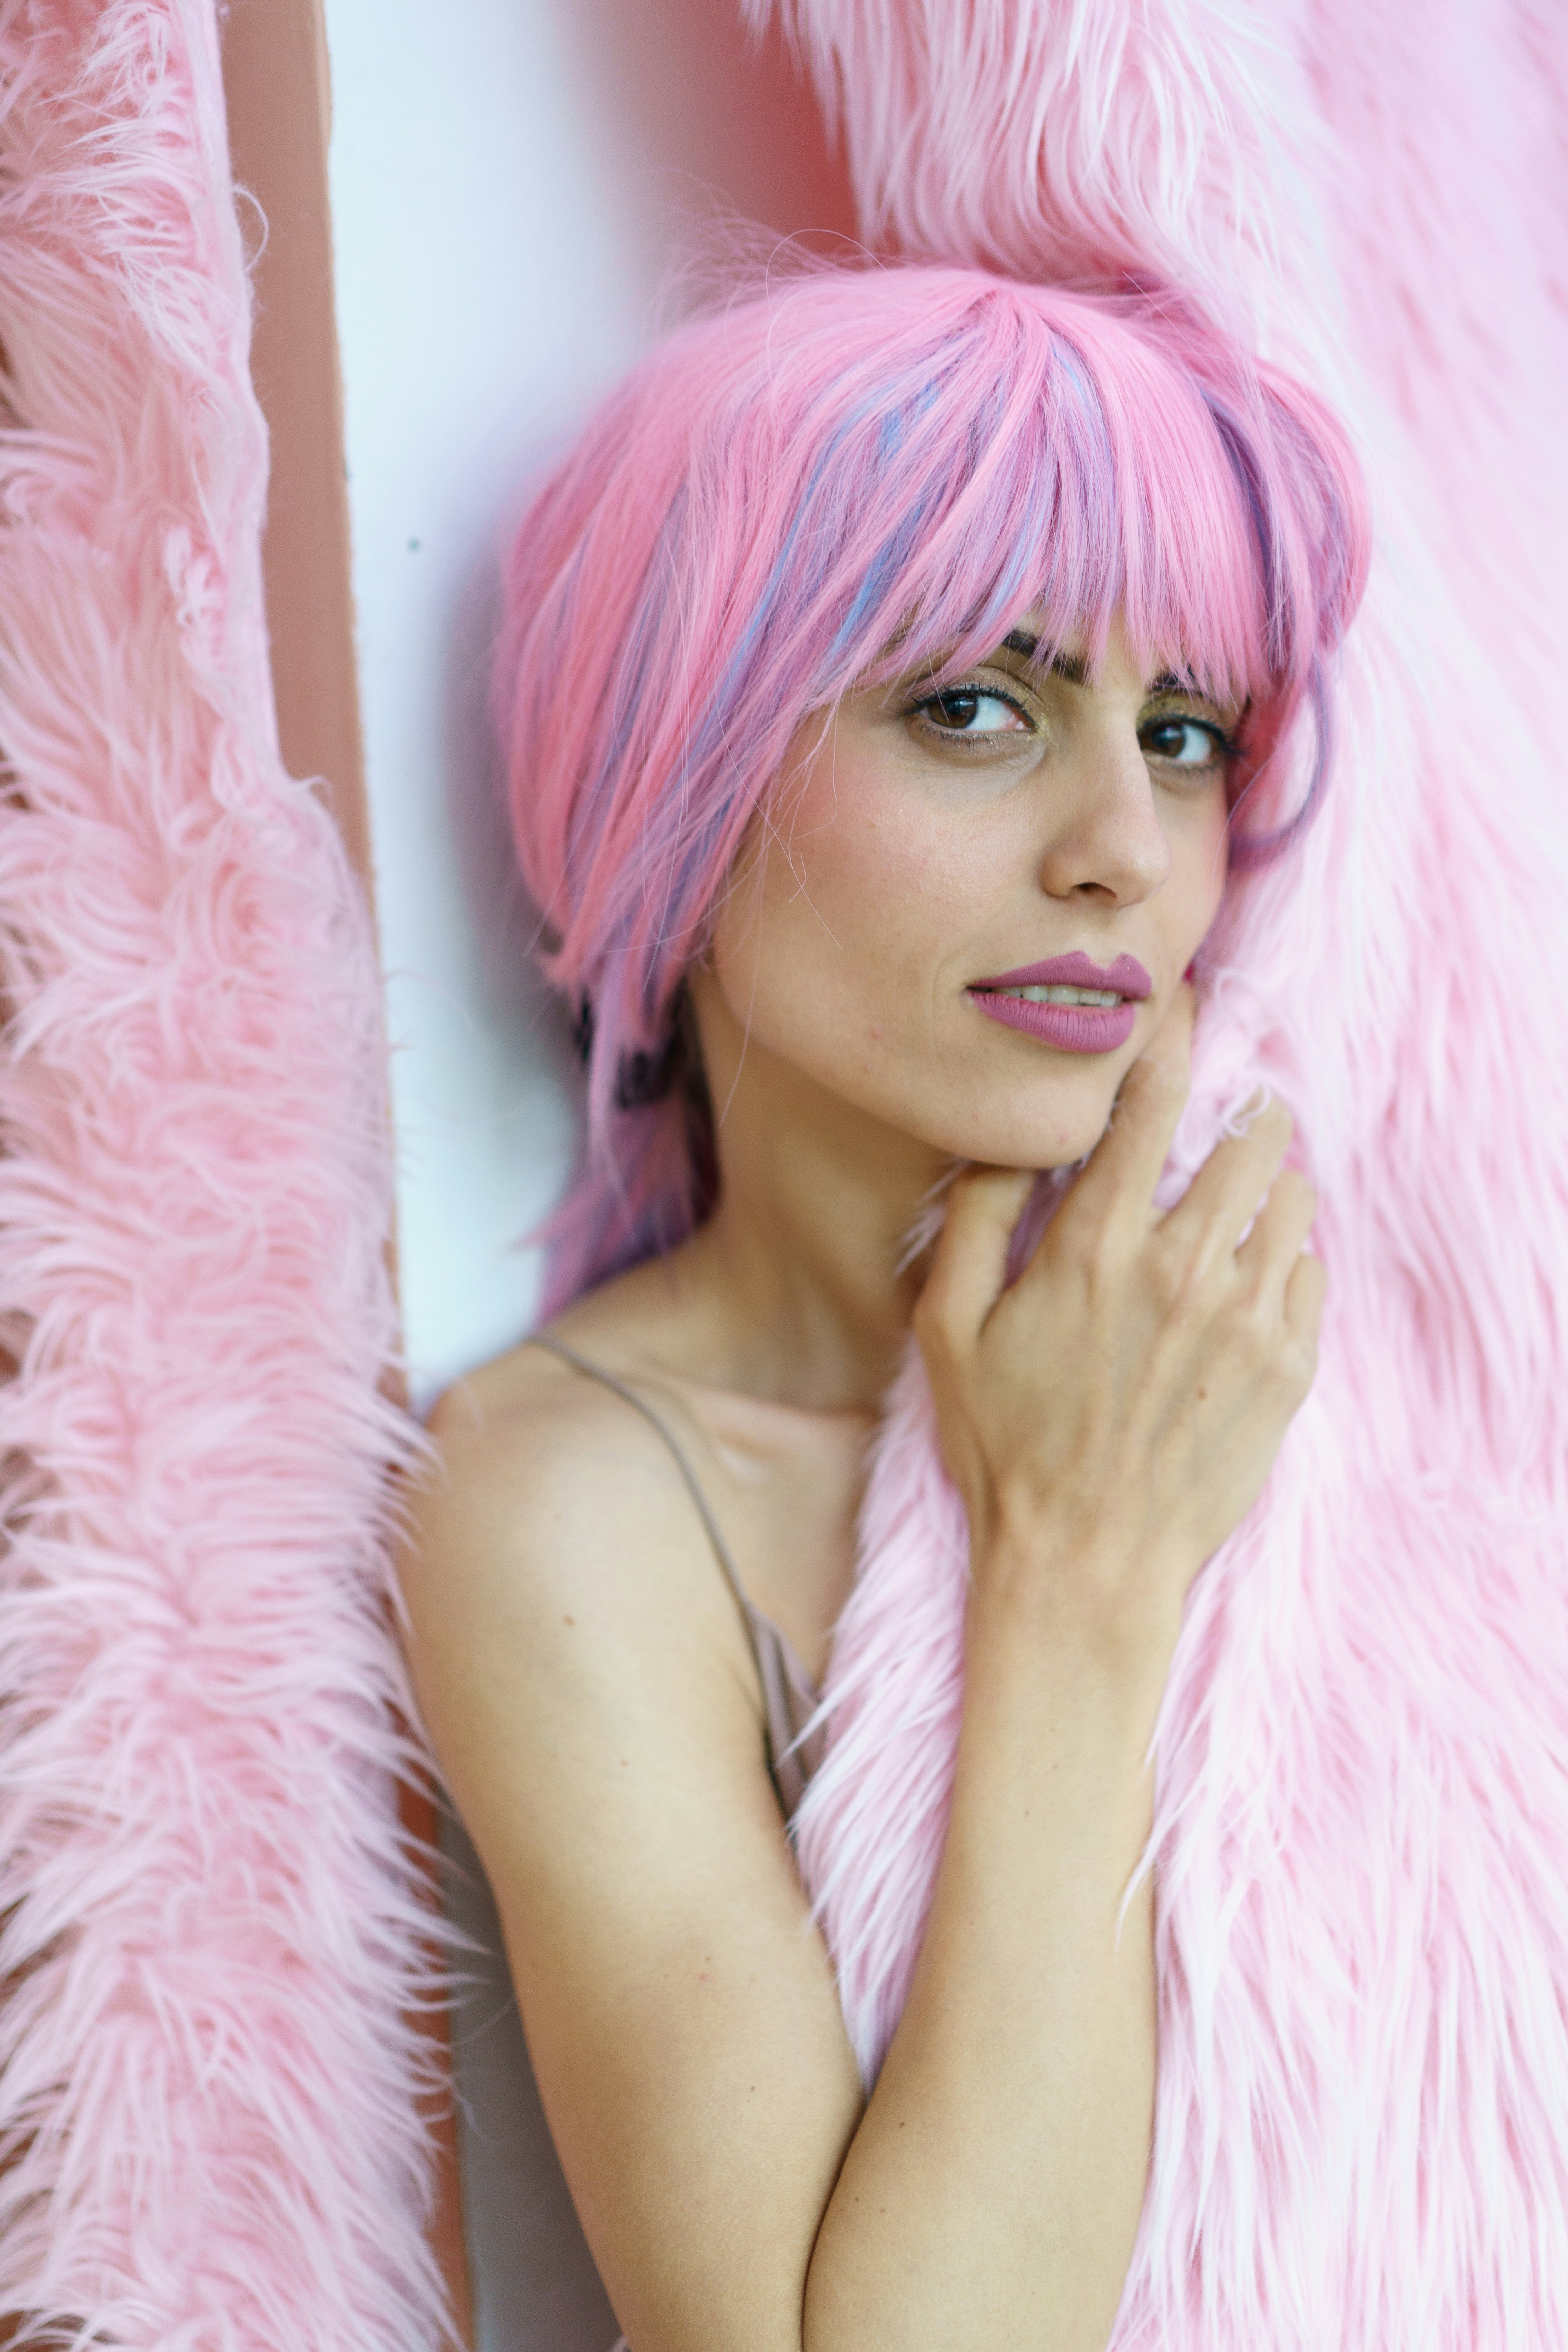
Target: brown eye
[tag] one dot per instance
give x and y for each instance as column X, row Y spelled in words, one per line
column 1183, row 743
column 969, row 711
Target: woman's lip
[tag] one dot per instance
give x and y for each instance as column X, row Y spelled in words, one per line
column 1070, row 1028
column 1126, row 975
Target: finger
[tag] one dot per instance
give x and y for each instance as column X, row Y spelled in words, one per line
column 1228, row 1188
column 1304, row 1296
column 970, row 1264
column 1175, row 1034
column 1270, row 1250
column 1129, row 1155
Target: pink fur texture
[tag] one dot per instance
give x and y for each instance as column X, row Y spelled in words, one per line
column 211, row 1939
column 1361, row 1831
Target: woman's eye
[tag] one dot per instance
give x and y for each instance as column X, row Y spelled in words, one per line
column 969, row 711
column 1184, row 742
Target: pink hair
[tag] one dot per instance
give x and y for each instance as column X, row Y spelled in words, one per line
column 861, row 472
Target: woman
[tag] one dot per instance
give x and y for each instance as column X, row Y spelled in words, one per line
column 883, row 672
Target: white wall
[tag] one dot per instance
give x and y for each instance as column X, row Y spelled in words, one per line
column 509, row 181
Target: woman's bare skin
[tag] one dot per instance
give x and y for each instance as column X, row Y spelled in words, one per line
column 1107, row 1420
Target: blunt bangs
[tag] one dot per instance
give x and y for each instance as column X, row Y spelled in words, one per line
column 993, row 449
column 1033, row 468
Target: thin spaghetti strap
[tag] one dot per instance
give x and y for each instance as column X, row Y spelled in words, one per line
column 608, row 1379
column 721, row 1551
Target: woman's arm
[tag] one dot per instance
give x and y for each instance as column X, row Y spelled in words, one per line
column 1108, row 1422
column 582, row 1668
column 1109, row 1418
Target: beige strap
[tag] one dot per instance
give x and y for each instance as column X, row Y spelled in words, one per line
column 720, row 1548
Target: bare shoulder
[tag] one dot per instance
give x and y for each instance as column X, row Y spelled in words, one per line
column 562, row 1595
column 536, row 1464
column 585, row 1680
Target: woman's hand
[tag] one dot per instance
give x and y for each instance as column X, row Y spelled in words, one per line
column 1111, row 1416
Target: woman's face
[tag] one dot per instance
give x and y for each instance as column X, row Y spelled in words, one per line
column 970, row 911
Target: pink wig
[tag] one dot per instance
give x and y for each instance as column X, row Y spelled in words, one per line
column 861, row 472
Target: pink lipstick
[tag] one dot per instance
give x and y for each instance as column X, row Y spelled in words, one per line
column 1072, row 1027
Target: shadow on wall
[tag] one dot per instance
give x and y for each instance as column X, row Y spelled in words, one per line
column 713, row 126
column 504, row 923
column 692, row 95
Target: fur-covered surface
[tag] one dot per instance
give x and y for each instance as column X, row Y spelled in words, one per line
column 1362, row 1828
column 211, row 1939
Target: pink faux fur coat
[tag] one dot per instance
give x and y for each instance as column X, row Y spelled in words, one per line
column 209, row 1941
column 1361, row 1833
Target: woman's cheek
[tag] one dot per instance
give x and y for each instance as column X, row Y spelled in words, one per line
column 873, row 876
column 904, row 871
column 1201, row 868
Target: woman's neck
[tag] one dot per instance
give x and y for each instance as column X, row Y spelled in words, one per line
column 796, row 1274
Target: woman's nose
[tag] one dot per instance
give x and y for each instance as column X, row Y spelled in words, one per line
column 1106, row 838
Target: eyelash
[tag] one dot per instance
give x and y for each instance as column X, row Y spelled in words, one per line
column 967, row 686
column 1225, row 741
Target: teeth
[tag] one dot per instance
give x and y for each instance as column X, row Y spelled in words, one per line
column 1063, row 995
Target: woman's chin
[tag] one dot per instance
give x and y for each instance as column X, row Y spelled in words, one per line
column 1013, row 1143
column 1056, row 1133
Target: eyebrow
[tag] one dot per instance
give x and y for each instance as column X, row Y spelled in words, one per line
column 1068, row 666
column 1026, row 645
